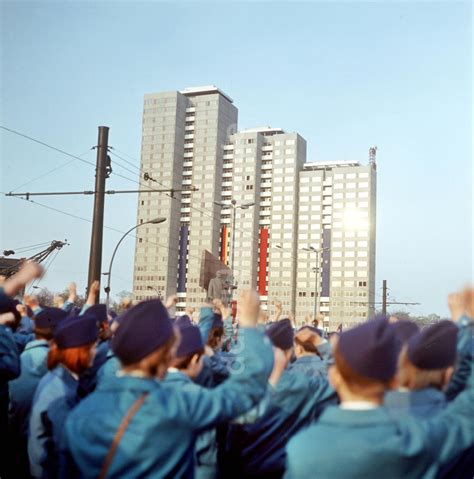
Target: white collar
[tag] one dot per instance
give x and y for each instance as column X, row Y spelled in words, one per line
column 358, row 405
column 173, row 370
column 136, row 373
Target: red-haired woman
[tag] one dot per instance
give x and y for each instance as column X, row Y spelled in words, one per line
column 70, row 354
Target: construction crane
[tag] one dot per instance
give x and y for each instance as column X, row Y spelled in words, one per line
column 9, row 266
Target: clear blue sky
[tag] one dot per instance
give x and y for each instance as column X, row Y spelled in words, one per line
column 346, row 76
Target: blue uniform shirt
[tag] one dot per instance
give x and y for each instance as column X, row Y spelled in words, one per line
column 258, row 449
column 206, row 444
column 55, row 396
column 423, row 403
column 9, row 369
column 310, row 366
column 372, row 444
column 33, row 368
column 160, row 439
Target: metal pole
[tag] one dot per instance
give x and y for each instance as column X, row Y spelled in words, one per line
column 384, row 297
column 95, row 257
column 109, row 274
column 316, row 288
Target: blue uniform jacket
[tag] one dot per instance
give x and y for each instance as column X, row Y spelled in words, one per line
column 9, row 369
column 9, row 357
column 310, row 366
column 22, row 390
column 374, row 444
column 55, row 396
column 258, row 449
column 89, row 378
column 206, row 443
column 109, row 368
column 325, row 349
column 465, row 349
column 160, row 439
column 422, row 403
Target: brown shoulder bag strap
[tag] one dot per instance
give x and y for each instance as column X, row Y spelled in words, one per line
column 118, row 435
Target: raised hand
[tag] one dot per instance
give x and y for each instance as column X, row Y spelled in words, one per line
column 171, row 301
column 72, row 288
column 29, row 271
column 456, row 305
column 248, row 308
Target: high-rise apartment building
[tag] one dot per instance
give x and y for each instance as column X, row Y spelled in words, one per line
column 301, row 233
column 261, row 166
column 336, row 217
column 182, row 148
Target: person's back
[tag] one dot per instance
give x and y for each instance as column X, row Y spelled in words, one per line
column 159, row 440
column 22, row 389
column 311, row 366
column 422, row 403
column 257, row 449
column 360, row 439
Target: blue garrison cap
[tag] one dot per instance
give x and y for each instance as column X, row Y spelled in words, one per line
column 404, row 329
column 371, row 349
column 143, row 329
column 434, row 347
column 281, row 334
column 50, row 317
column 183, row 321
column 99, row 312
column 76, row 331
column 191, row 341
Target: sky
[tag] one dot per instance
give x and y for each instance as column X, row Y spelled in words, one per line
column 346, row 76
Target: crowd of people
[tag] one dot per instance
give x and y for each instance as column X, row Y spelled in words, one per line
column 87, row 393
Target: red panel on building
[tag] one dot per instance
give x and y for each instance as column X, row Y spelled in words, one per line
column 262, row 275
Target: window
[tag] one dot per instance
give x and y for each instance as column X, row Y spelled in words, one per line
column 362, row 284
column 250, row 141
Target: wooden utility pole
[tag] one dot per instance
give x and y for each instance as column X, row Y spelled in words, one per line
column 95, row 256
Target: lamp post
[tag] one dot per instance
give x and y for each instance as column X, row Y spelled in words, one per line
column 109, row 272
column 235, row 207
column 312, row 249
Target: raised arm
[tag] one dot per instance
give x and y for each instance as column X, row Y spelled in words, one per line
column 249, row 375
column 94, row 290
column 69, row 303
column 460, row 305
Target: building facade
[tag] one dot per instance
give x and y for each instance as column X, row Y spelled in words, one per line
column 182, row 149
column 337, row 217
column 300, row 233
column 261, row 168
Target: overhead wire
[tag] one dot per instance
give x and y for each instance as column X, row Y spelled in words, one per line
column 215, row 217
column 47, row 145
column 212, row 216
column 105, row 226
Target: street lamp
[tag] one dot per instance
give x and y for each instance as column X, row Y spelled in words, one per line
column 235, row 207
column 109, row 272
column 312, row 249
